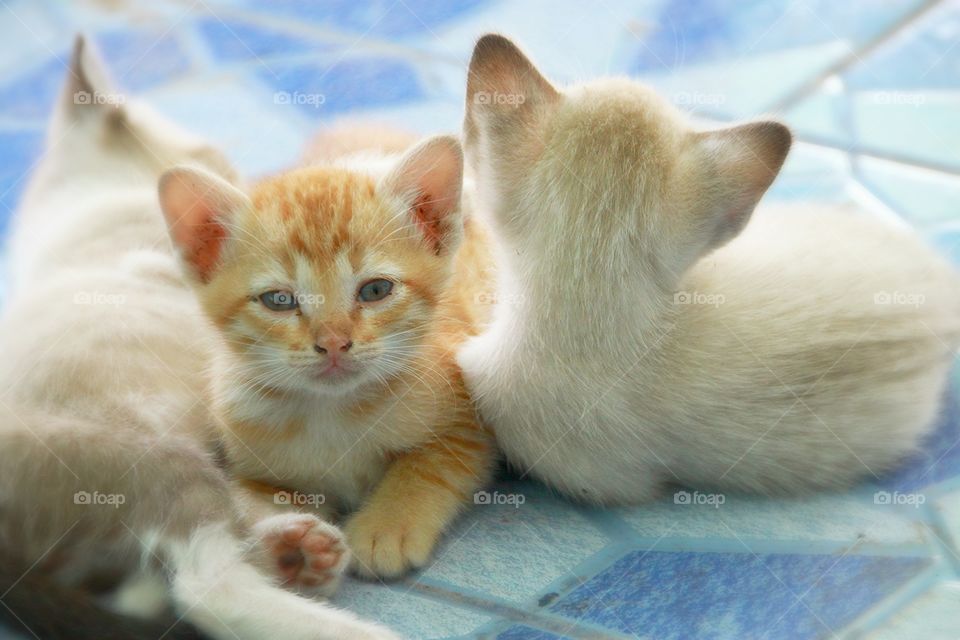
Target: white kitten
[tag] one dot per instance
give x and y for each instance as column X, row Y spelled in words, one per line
column 105, row 438
column 633, row 347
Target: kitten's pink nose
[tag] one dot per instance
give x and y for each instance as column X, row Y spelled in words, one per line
column 333, row 345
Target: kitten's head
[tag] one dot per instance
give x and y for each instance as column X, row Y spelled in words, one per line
column 607, row 174
column 322, row 279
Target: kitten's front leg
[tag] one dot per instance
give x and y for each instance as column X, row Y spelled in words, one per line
column 300, row 548
column 419, row 496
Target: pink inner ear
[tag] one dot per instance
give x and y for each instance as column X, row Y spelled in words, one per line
column 192, row 206
column 205, row 247
column 429, row 213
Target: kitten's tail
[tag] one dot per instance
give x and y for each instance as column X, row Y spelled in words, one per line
column 228, row 598
column 35, row 605
column 66, row 482
column 347, row 137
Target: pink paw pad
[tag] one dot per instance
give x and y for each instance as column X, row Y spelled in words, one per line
column 307, row 552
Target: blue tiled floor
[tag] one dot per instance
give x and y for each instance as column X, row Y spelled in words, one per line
column 872, row 89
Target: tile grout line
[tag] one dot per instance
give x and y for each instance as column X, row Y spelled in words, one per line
column 567, row 627
column 895, row 602
column 855, row 56
column 944, row 540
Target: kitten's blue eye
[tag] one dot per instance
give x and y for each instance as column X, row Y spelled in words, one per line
column 279, row 300
column 375, row 290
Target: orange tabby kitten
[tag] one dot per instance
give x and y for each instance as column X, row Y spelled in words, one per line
column 340, row 295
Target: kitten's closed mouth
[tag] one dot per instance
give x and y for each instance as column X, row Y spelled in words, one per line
column 330, row 371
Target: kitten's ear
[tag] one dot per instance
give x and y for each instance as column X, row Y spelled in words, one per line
column 429, row 178
column 88, row 88
column 197, row 206
column 741, row 163
column 502, row 82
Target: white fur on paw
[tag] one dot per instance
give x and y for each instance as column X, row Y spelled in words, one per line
column 304, row 551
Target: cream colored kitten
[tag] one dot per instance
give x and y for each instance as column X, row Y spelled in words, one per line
column 647, row 334
column 106, row 445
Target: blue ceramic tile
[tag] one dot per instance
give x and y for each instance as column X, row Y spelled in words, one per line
column 318, row 89
column 19, row 152
column 925, row 198
column 812, row 174
column 520, row 632
column 696, row 31
column 280, row 68
column 233, row 40
column 922, row 58
column 513, row 552
column 947, row 509
column 947, row 240
column 735, row 595
column 931, row 616
column 407, row 612
column 939, row 458
column 379, row 18
column 748, row 87
column 825, row 116
column 823, row 523
column 918, row 125
column 33, row 94
column 142, row 58
column 908, row 92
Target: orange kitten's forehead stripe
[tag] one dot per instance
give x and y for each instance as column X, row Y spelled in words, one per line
column 318, row 207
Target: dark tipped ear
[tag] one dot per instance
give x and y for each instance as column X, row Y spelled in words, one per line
column 88, row 86
column 429, row 178
column 197, row 206
column 741, row 163
column 502, row 80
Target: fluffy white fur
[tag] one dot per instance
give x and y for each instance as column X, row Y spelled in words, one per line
column 104, row 350
column 632, row 347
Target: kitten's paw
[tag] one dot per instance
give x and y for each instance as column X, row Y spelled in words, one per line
column 386, row 547
column 304, row 551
